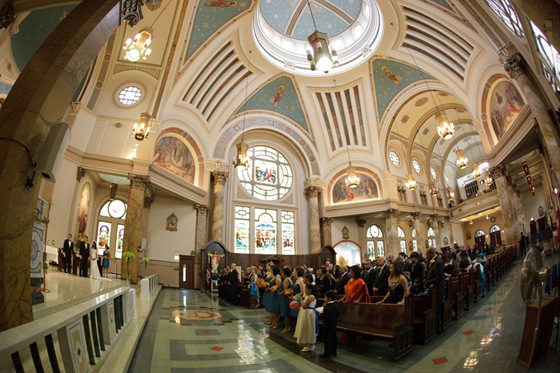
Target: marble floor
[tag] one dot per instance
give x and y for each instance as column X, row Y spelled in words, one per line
column 190, row 331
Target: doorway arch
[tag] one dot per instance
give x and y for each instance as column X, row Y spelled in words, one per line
column 348, row 253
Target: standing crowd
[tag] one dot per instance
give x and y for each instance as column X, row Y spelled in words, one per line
column 82, row 258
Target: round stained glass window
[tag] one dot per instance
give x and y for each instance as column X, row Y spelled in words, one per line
column 130, row 95
column 269, row 176
column 416, row 166
column 117, row 209
column 394, row 157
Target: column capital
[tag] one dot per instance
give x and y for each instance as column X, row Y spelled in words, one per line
column 131, row 11
column 148, row 201
column 415, row 215
column 497, row 171
column 7, row 15
column 390, row 213
column 201, row 209
column 139, row 181
column 80, row 174
column 220, row 177
column 326, row 221
column 312, row 191
column 514, row 65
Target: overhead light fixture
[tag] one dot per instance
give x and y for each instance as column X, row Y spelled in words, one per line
column 139, row 48
column 445, row 128
column 352, row 178
column 141, row 130
column 476, row 170
column 113, row 191
column 242, row 147
column 450, row 194
column 488, row 178
column 410, row 182
column 320, row 56
column 433, row 189
column 471, row 222
column 462, row 161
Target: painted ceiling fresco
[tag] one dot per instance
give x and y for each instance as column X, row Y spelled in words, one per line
column 278, row 96
column 210, row 16
column 390, row 78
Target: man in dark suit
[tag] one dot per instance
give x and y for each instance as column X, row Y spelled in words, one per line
column 233, row 279
column 344, row 278
column 417, row 269
column 369, row 277
column 67, row 249
column 330, row 318
column 381, row 284
column 84, row 253
column 436, row 277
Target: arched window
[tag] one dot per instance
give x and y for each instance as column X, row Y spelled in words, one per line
column 374, row 242
column 479, row 233
column 493, row 229
column 414, row 241
column 402, row 239
column 505, row 11
column 550, row 59
column 431, row 237
column 110, row 227
column 265, row 229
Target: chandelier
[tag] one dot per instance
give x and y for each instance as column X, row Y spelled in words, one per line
column 433, row 189
column 488, row 179
column 320, row 57
column 242, row 147
column 445, row 128
column 141, row 130
column 352, row 178
column 450, row 194
column 139, row 47
column 410, row 182
column 476, row 170
column 462, row 161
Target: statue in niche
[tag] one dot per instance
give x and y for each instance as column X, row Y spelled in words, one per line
column 172, row 223
column 445, row 241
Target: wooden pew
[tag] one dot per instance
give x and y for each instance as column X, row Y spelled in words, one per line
column 385, row 321
column 468, row 289
column 475, row 281
column 447, row 305
column 425, row 320
column 457, row 297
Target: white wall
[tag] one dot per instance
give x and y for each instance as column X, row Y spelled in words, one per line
column 61, row 208
column 163, row 243
column 336, row 230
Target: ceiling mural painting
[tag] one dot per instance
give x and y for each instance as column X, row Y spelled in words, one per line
column 391, row 78
column 33, row 30
column 279, row 96
column 210, row 16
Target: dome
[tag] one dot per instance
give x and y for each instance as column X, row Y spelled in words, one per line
column 281, row 28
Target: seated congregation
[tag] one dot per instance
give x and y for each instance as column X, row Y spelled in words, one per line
column 403, row 300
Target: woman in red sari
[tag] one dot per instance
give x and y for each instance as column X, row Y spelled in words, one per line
column 356, row 289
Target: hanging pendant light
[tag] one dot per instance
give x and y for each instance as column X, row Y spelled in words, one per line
column 476, row 170
column 462, row 161
column 488, row 178
column 433, row 189
column 352, row 178
column 141, row 130
column 445, row 128
column 320, row 56
column 410, row 182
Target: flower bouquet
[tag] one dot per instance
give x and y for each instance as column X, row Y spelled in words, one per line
column 288, row 292
column 295, row 304
column 261, row 283
column 274, row 288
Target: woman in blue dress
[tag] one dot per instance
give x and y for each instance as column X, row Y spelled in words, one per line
column 275, row 300
column 267, row 296
column 284, row 299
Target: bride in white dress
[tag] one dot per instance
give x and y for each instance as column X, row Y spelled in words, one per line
column 93, row 268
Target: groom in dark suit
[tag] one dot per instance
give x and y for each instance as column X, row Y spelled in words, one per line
column 84, row 253
column 436, row 276
column 67, row 249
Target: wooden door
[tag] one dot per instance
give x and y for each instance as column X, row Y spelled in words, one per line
column 186, row 272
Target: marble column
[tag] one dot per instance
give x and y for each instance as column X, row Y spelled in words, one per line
column 506, row 201
column 420, row 236
column 312, row 194
column 133, row 230
column 391, row 225
column 514, row 65
column 361, row 223
column 326, row 230
column 37, row 101
column 220, row 179
column 200, row 242
column 450, row 230
column 434, row 223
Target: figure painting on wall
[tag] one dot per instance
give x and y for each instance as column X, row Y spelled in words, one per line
column 275, row 99
column 389, row 74
column 172, row 221
column 83, row 208
column 505, row 105
column 367, row 189
column 172, row 154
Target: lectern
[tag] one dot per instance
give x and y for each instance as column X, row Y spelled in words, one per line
column 537, row 331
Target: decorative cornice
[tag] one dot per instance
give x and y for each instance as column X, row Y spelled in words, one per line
column 150, row 71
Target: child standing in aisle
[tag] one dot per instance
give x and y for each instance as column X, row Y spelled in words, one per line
column 306, row 333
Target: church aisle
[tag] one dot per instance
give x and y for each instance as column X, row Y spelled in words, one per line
column 190, row 331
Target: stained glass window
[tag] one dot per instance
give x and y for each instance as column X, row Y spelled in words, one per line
column 120, row 241
column 414, row 241
column 288, row 232
column 505, row 11
column 242, row 228
column 433, row 173
column 416, row 166
column 269, row 175
column 374, row 241
column 402, row 239
column 103, row 234
column 394, row 157
column 130, row 95
column 431, row 237
column 117, row 209
column 550, row 59
column 494, row 228
column 265, row 231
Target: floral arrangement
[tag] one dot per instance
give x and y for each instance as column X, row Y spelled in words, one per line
column 288, row 292
column 261, row 283
column 128, row 255
column 274, row 288
column 145, row 260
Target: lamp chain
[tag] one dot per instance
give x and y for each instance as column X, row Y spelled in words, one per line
column 312, row 17
column 246, row 95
